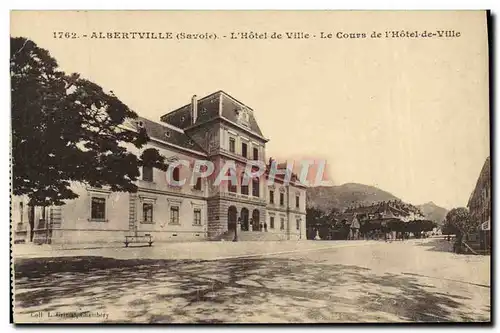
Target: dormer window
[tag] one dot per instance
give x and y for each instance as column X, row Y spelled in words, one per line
column 242, row 116
column 183, row 118
column 140, row 124
column 203, row 111
column 167, row 134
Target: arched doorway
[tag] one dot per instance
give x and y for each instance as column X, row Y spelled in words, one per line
column 244, row 218
column 255, row 220
column 232, row 215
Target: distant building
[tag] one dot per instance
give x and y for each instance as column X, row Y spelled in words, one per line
column 217, row 128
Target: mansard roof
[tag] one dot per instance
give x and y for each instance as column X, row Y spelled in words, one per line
column 169, row 134
column 216, row 105
column 280, row 178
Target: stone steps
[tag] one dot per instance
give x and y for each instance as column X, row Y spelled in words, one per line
column 251, row 236
column 260, row 236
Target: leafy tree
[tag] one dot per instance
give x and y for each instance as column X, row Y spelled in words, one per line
column 417, row 226
column 449, row 229
column 67, row 129
column 370, row 225
column 316, row 219
column 396, row 225
column 460, row 220
column 340, row 230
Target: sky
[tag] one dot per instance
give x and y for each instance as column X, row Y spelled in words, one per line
column 408, row 115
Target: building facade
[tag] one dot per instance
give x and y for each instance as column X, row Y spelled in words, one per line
column 216, row 128
column 479, row 205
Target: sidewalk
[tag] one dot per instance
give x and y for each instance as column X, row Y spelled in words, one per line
column 179, row 251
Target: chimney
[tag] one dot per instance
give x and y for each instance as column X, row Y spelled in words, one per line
column 194, row 109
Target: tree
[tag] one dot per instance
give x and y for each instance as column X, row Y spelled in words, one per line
column 67, row 129
column 417, row 226
column 460, row 219
column 449, row 229
column 316, row 219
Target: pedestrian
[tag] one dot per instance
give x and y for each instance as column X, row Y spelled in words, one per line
column 265, row 226
column 261, row 227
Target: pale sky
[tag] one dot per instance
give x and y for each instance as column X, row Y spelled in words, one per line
column 409, row 115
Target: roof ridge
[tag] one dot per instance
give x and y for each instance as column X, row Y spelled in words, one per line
column 188, row 104
column 220, row 91
column 163, row 124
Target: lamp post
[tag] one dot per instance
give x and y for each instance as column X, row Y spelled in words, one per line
column 235, row 239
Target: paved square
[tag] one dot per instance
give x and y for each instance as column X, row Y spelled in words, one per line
column 358, row 282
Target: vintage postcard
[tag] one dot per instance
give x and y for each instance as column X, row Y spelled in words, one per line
column 250, row 167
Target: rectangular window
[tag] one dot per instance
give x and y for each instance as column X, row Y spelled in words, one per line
column 230, row 186
column 255, row 153
column 282, row 199
column 271, row 222
column 147, row 212
column 298, row 224
column 98, row 209
column 147, row 173
column 197, row 186
column 243, row 149
column 255, row 187
column 297, row 201
column 271, row 197
column 197, row 217
column 244, row 187
column 174, row 215
column 21, row 211
column 232, row 145
column 282, row 224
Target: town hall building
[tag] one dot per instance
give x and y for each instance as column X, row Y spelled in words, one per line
column 217, row 128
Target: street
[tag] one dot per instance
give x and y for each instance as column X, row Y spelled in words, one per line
column 414, row 280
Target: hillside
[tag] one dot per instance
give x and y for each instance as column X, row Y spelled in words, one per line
column 433, row 212
column 343, row 196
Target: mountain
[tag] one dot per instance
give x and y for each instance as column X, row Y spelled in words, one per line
column 343, row 196
column 433, row 212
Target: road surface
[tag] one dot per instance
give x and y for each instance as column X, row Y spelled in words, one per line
column 415, row 280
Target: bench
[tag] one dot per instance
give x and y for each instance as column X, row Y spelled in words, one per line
column 144, row 239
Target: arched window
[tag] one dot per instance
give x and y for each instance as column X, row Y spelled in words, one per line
column 176, row 173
